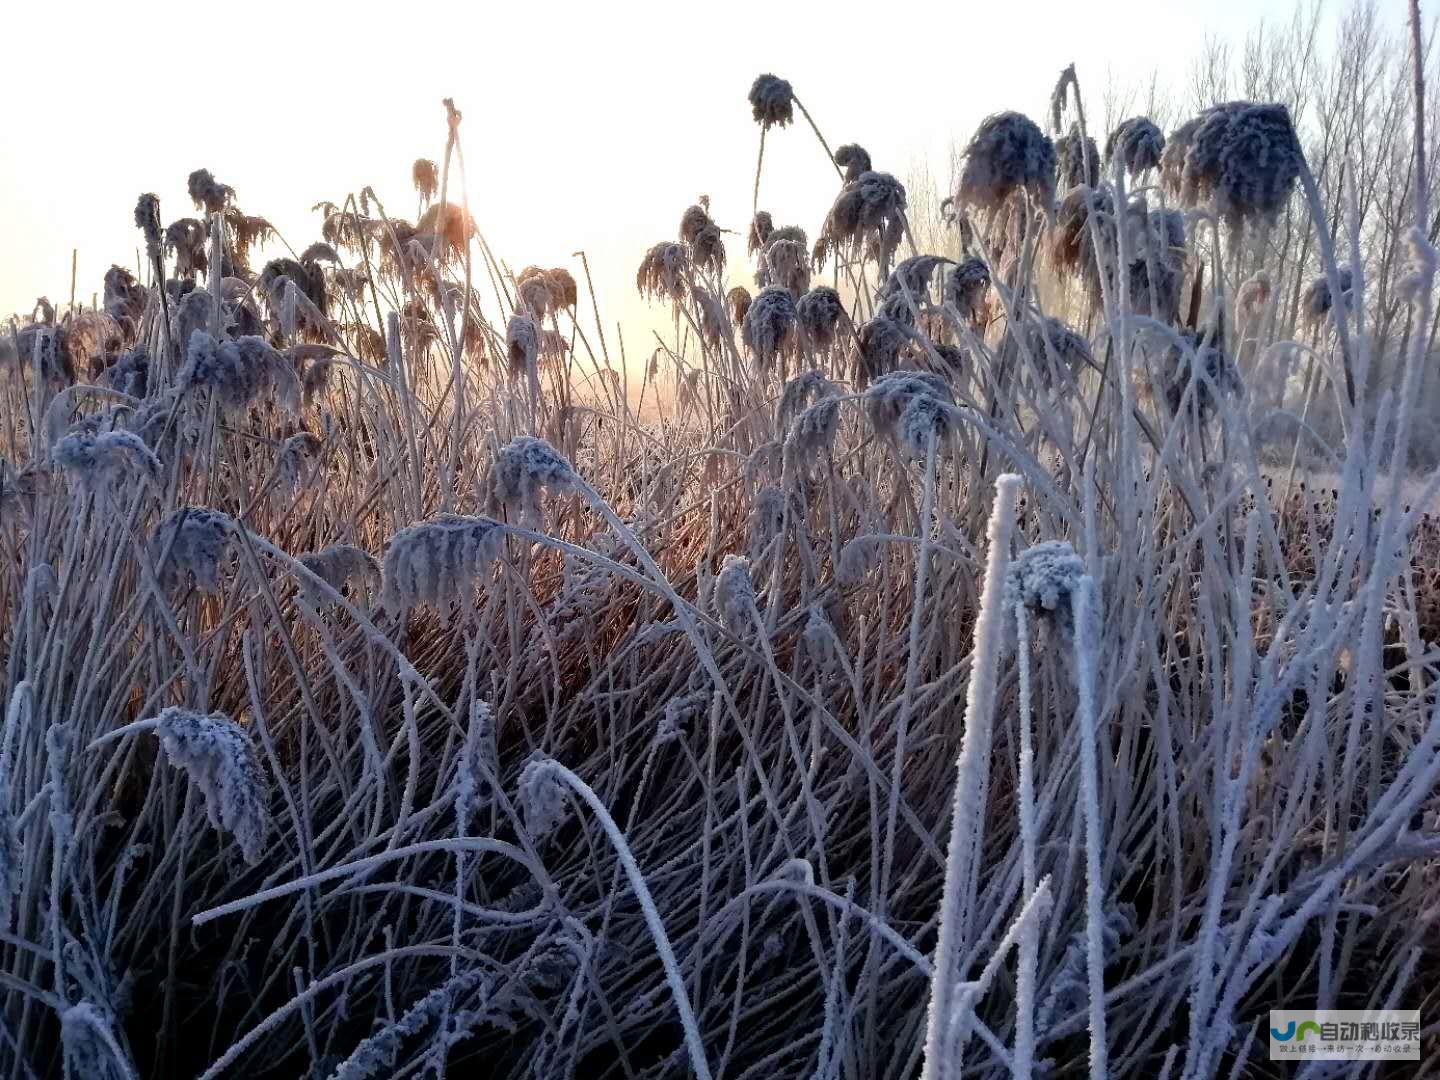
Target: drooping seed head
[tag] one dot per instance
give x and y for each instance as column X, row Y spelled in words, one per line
column 1244, row 158
column 425, row 175
column 195, row 538
column 1077, row 161
column 437, row 562
column 734, row 596
column 100, row 459
column 219, row 758
column 785, row 263
column 1137, row 144
column 854, row 159
column 818, row 313
column 877, row 351
column 1008, row 152
column 207, row 193
column 768, row 329
column 663, row 272
column 887, row 398
column 772, row 101
column 966, row 286
column 1043, row 579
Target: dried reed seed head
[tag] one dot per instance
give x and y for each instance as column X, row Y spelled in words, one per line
column 196, row 538
column 870, row 208
column 877, row 350
column 187, row 238
column 854, row 159
column 1317, row 301
column 195, row 312
column 1155, row 288
column 663, row 272
column 1211, row 369
column 811, row 436
column 147, row 220
column 1054, row 345
column 42, row 345
column 1008, row 152
column 737, row 301
column 124, row 298
column 1254, row 293
column 219, row 758
column 818, row 313
column 710, row 316
column 438, row 562
column 707, row 250
column 1077, row 161
column 734, row 596
column 785, row 263
column 522, row 344
column 319, row 252
column 913, row 276
column 425, row 175
column 542, row 797
column 524, row 467
column 533, row 289
column 447, row 224
column 925, row 421
column 767, row 518
column 96, row 460
column 130, row 374
column 693, row 221
column 772, row 101
column 1137, row 144
column 252, row 229
column 1245, row 158
column 338, row 565
column 1420, row 274
column 887, row 398
column 768, row 329
column 236, row 371
column 762, row 225
column 308, row 278
column 1043, row 579
column 966, row 286
column 207, row 193
column 707, row 247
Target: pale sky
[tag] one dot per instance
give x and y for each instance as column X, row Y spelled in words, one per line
column 587, row 126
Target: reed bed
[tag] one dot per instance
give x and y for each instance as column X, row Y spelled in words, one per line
column 918, row 665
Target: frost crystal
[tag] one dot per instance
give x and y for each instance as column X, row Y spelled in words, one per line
column 220, row 760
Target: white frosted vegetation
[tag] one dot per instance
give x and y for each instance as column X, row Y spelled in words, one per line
column 928, row 665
